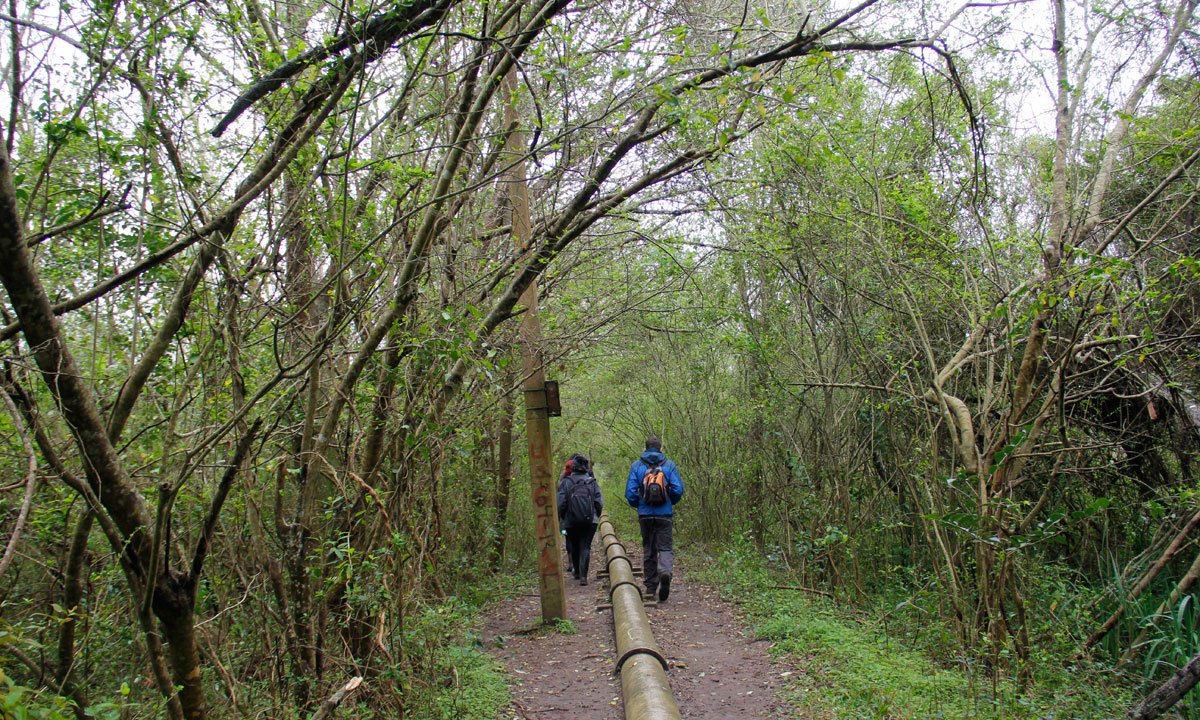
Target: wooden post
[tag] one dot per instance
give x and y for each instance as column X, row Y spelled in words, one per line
column 537, row 420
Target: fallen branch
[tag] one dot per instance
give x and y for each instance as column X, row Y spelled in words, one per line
column 331, row 703
column 1185, row 585
column 1169, row 693
column 1142, row 584
column 802, row 589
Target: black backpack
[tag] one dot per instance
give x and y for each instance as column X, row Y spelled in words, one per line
column 654, row 485
column 580, row 508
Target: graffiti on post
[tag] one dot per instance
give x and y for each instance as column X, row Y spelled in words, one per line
column 544, row 526
column 546, row 566
column 541, row 495
column 545, row 520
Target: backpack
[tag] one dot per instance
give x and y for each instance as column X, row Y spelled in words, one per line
column 580, row 509
column 654, row 485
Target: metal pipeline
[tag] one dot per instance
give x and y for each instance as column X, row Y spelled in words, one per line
column 646, row 692
column 620, row 569
column 642, row 666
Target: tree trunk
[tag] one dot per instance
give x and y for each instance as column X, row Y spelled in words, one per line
column 67, row 383
column 173, row 605
column 72, row 601
column 503, row 480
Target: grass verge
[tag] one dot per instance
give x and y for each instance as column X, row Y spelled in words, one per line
column 850, row 667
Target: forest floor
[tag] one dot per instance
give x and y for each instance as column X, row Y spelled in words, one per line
column 718, row 669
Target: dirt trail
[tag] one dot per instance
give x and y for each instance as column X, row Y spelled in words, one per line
column 717, row 669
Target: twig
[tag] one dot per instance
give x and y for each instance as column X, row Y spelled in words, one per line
column 851, row 385
column 94, row 214
column 218, row 501
column 525, row 711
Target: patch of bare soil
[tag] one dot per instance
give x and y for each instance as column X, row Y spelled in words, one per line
column 717, row 669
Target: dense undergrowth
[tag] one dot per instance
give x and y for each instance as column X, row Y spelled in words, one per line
column 446, row 674
column 889, row 662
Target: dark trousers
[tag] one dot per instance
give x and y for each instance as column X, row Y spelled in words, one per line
column 579, row 548
column 658, row 553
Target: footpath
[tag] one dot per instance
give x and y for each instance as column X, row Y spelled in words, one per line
column 717, row 668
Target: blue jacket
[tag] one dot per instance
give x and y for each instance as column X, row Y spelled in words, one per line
column 637, row 471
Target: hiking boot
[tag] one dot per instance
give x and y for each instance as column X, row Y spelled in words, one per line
column 664, row 588
column 583, row 581
column 650, row 592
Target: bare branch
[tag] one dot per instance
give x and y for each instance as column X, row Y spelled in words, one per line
column 30, row 483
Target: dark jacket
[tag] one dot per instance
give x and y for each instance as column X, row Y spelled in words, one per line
column 637, row 471
column 564, row 492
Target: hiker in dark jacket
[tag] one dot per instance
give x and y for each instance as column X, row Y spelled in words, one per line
column 566, row 546
column 655, row 519
column 579, row 506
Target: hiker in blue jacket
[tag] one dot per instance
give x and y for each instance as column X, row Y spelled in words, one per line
column 655, row 514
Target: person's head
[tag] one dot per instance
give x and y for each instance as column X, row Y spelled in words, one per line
column 579, row 463
column 653, row 443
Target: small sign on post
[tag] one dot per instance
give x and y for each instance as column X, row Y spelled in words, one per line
column 553, row 407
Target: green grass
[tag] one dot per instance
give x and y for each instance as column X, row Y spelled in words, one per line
column 479, row 689
column 849, row 667
column 474, row 685
column 447, row 673
column 564, row 626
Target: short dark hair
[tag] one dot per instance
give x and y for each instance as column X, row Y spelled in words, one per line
column 653, row 443
column 579, row 463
